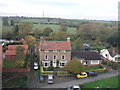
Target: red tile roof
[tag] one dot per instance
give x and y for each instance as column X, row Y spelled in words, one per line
column 10, row 52
column 55, row 45
column 13, row 47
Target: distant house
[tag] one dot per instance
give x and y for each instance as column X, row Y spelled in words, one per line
column 11, row 52
column 55, row 53
column 88, row 58
column 110, row 54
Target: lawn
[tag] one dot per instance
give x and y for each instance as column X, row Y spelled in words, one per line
column 19, row 81
column 9, row 64
column 111, row 82
column 92, row 68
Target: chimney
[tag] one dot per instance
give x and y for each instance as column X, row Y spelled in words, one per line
column 68, row 39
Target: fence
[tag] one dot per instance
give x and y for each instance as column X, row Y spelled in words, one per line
column 15, row 70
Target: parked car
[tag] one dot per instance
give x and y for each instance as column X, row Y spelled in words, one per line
column 74, row 88
column 82, row 75
column 91, row 74
column 41, row 78
column 35, row 65
column 50, row 79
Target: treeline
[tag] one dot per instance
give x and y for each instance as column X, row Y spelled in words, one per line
column 91, row 33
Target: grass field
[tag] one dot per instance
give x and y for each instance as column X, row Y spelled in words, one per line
column 111, row 82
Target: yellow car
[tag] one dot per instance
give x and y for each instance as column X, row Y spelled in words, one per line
column 82, row 75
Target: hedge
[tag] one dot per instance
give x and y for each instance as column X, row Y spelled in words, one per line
column 96, row 70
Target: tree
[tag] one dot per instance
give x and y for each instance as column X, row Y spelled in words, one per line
column 5, row 21
column 63, row 26
column 37, row 33
column 25, row 28
column 59, row 36
column 47, row 31
column 74, row 66
column 12, row 22
column 15, row 31
column 20, row 55
column 30, row 40
column 20, row 63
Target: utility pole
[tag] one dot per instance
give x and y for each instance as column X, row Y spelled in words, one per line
column 43, row 14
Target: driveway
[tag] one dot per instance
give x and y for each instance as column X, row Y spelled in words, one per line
column 64, row 82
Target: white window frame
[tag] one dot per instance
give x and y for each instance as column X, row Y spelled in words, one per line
column 62, row 58
column 55, row 58
column 45, row 57
column 92, row 61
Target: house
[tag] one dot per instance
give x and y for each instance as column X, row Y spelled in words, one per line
column 110, row 54
column 89, row 58
column 55, row 53
column 11, row 52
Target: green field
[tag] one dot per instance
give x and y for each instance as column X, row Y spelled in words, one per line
column 111, row 82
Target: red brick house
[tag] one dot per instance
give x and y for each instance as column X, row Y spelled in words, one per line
column 11, row 52
column 55, row 53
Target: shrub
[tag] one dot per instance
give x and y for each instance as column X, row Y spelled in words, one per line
column 104, row 62
column 101, row 66
column 50, row 68
column 115, row 66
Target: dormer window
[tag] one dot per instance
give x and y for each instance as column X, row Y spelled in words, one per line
column 55, row 51
column 63, row 51
column 46, row 51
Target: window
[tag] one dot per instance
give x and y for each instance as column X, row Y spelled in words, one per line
column 46, row 57
column 95, row 62
column 63, row 57
column 63, row 51
column 54, row 51
column 46, row 64
column 46, row 51
column 117, row 59
column 54, row 57
column 63, row 64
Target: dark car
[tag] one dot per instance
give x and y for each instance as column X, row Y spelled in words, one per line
column 41, row 78
column 91, row 74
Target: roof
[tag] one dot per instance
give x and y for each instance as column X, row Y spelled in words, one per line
column 13, row 47
column 55, row 45
column 87, row 55
column 10, row 52
column 113, row 52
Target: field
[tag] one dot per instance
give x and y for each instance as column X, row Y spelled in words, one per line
column 111, row 82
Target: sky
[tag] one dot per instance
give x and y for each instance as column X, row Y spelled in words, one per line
column 67, row 9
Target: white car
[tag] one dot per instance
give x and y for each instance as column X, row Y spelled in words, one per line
column 74, row 88
column 35, row 65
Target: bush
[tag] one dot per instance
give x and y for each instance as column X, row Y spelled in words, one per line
column 101, row 66
column 50, row 68
column 115, row 66
column 104, row 62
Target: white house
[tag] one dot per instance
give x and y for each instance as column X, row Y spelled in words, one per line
column 110, row 54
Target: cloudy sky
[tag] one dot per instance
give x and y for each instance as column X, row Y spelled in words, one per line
column 71, row 9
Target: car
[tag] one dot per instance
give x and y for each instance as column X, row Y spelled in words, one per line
column 91, row 74
column 50, row 79
column 74, row 88
column 82, row 75
column 41, row 78
column 35, row 65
